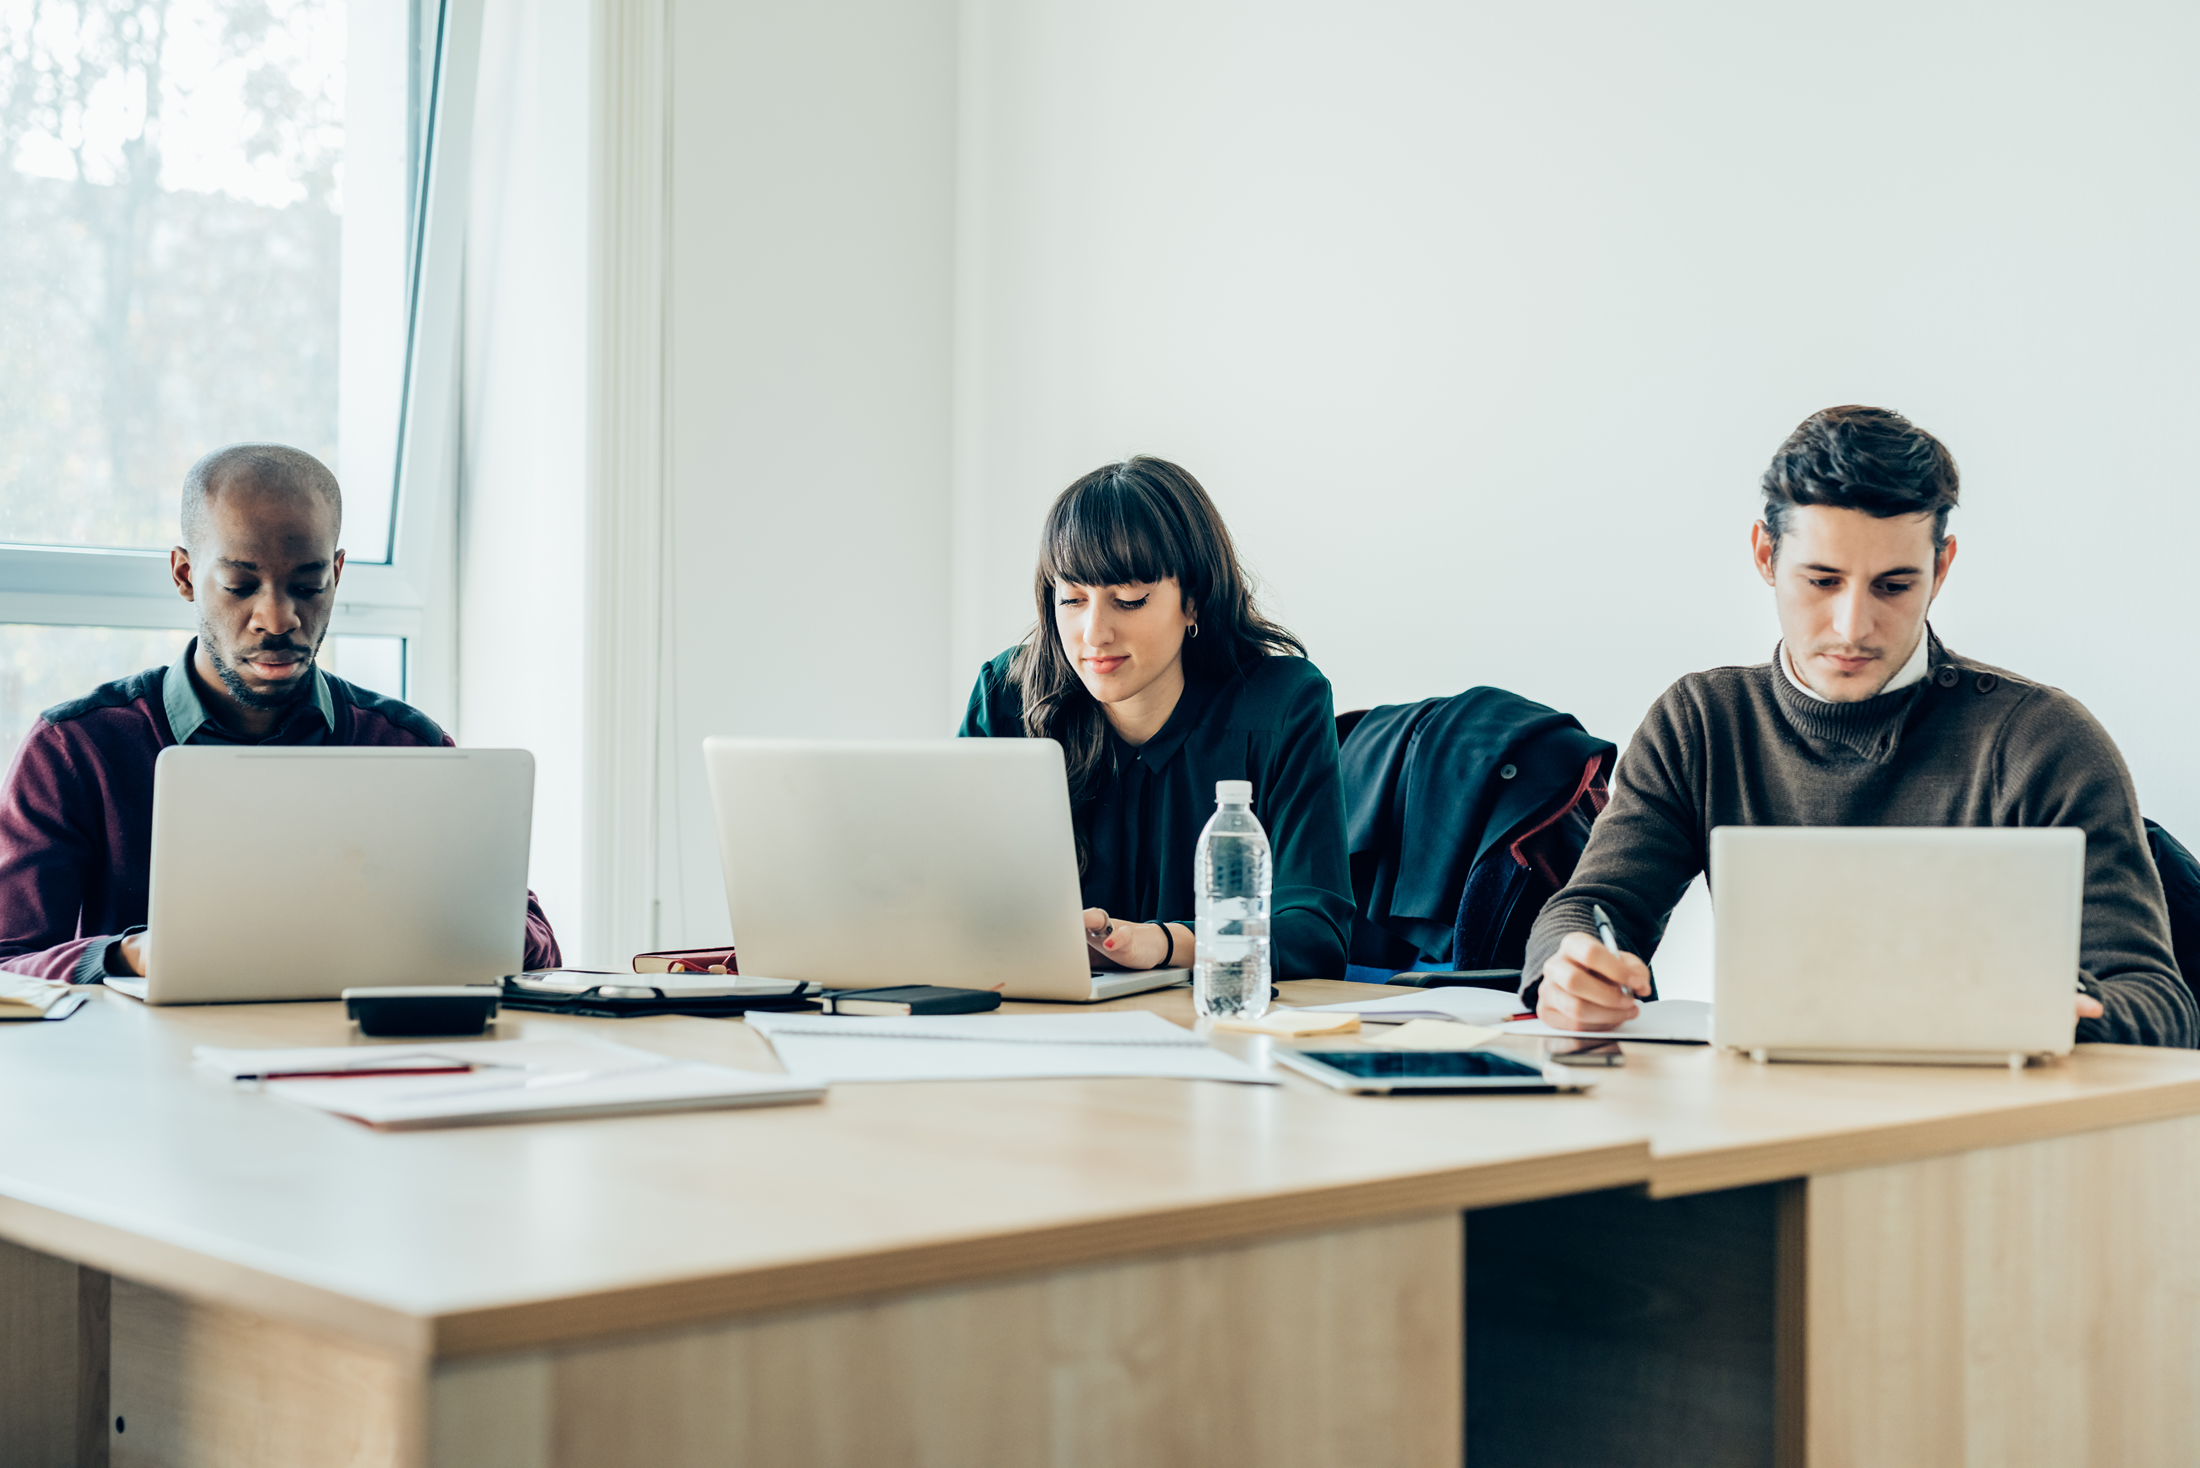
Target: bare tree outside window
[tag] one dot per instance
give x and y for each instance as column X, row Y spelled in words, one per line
column 205, row 215
column 171, row 247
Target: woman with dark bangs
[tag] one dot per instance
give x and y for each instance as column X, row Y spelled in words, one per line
column 1153, row 669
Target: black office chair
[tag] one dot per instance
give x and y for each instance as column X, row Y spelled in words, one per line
column 2181, row 887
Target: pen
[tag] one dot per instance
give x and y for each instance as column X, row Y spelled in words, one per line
column 345, row 1075
column 1607, row 937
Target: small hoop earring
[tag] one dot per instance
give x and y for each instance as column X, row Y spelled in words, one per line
column 1192, row 631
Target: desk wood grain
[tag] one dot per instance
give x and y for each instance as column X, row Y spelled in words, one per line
column 205, row 1386
column 442, row 1291
column 2028, row 1306
column 1302, row 1352
column 486, row 1239
column 1717, row 1120
column 50, row 1398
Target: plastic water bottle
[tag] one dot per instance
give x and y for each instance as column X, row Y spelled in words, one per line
column 1232, row 878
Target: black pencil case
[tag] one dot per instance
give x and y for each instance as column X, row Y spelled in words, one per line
column 634, row 994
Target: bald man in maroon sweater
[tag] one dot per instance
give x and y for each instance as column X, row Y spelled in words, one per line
column 260, row 563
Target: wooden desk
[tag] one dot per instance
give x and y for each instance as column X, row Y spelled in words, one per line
column 1952, row 1266
column 1077, row 1272
column 1097, row 1271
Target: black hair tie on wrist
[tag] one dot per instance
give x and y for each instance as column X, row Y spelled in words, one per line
column 1170, row 934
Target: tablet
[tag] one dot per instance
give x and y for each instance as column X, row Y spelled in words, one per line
column 1383, row 1071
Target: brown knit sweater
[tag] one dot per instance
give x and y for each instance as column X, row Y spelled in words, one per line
column 1971, row 745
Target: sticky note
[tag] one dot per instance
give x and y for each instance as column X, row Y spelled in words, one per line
column 1293, row 1023
column 1433, row 1034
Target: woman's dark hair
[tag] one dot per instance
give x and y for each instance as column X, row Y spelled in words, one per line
column 1869, row 459
column 1138, row 521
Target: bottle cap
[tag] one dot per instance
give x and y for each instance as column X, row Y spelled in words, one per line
column 1233, row 792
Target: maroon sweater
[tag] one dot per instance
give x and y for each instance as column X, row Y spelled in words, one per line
column 76, row 821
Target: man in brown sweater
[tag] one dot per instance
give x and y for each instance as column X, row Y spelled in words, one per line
column 1862, row 718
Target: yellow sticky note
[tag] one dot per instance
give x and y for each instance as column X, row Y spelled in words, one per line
column 1432, row 1034
column 1293, row 1023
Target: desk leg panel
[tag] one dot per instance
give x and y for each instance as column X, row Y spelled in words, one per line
column 53, row 1361
column 204, row 1386
column 1671, row 1307
column 1323, row 1350
column 2032, row 1304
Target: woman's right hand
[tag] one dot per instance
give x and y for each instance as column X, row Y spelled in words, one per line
column 1124, row 945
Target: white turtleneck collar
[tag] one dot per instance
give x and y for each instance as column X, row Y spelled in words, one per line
column 1913, row 671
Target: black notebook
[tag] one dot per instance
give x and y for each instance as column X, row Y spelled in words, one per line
column 912, row 999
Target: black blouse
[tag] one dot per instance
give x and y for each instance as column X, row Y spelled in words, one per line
column 1274, row 725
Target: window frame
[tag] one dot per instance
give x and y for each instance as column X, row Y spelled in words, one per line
column 412, row 595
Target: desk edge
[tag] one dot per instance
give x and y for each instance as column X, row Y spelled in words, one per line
column 1712, row 1168
column 671, row 1304
column 193, row 1274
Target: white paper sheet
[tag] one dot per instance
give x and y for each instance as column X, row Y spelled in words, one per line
column 1677, row 1021
column 1468, row 1006
column 1114, row 1027
column 602, row 1056
column 513, row 1080
column 973, row 1047
column 400, row 1102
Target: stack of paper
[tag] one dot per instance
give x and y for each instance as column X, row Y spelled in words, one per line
column 1468, row 1006
column 973, row 1047
column 456, row 1083
column 1293, row 1024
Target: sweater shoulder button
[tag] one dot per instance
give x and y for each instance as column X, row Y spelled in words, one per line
column 1947, row 677
column 1508, row 772
column 1987, row 682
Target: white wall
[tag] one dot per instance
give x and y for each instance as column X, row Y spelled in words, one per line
column 1481, row 321
column 812, row 277
column 523, row 472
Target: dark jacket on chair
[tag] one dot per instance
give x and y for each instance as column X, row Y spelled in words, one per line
column 1462, row 815
column 2181, row 889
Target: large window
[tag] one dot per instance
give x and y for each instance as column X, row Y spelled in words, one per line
column 211, row 230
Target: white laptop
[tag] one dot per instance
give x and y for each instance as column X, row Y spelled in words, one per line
column 1928, row 946
column 295, row 873
column 938, row 861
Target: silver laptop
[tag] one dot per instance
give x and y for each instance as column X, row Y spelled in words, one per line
column 939, row 861
column 1928, row 946
column 296, row 873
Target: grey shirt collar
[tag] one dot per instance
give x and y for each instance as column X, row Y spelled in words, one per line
column 187, row 712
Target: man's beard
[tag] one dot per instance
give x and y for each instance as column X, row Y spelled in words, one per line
column 234, row 681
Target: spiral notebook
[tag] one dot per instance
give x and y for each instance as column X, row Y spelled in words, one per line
column 24, row 997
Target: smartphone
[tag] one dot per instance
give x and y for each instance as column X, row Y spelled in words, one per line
column 1587, row 1052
